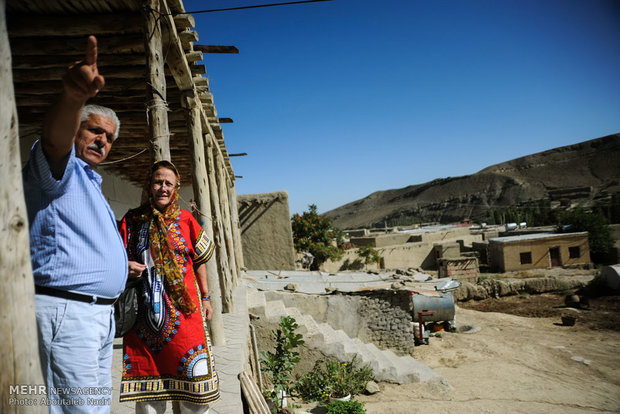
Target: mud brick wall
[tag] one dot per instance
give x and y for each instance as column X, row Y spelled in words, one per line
column 459, row 269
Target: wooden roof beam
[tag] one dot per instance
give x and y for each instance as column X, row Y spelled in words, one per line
column 52, row 26
column 176, row 61
column 127, row 44
column 215, row 49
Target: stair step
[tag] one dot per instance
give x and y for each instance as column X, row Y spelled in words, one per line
column 274, row 311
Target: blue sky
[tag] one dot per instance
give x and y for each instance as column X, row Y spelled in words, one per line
column 335, row 100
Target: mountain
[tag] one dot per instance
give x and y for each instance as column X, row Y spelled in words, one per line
column 579, row 174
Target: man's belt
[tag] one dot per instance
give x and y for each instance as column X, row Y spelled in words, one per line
column 49, row 291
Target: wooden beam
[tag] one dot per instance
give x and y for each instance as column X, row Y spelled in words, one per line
column 236, row 227
column 55, row 73
column 83, row 25
column 198, row 70
column 215, row 49
column 127, row 44
column 218, row 229
column 184, row 21
column 203, row 214
column 19, row 360
column 223, row 188
column 156, row 90
column 201, row 81
column 188, row 36
column 52, row 61
column 176, row 61
column 193, row 56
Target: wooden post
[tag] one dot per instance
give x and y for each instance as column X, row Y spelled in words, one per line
column 221, row 172
column 234, row 209
column 19, row 359
column 157, row 115
column 203, row 214
column 223, row 267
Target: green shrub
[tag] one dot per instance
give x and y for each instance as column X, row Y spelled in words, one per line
column 333, row 379
column 369, row 254
column 345, row 407
column 279, row 364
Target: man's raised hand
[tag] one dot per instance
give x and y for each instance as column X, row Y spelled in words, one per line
column 82, row 80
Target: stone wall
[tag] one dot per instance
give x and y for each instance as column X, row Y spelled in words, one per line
column 387, row 315
column 381, row 317
column 266, row 234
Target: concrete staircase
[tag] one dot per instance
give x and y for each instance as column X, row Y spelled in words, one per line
column 336, row 343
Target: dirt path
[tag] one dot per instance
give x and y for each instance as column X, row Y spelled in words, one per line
column 512, row 364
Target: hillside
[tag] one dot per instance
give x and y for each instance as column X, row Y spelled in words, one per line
column 579, row 174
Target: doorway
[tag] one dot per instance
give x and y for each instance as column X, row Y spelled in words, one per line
column 554, row 256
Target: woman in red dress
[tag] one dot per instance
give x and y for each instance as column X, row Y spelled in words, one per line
column 167, row 355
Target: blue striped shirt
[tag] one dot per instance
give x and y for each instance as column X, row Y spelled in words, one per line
column 74, row 241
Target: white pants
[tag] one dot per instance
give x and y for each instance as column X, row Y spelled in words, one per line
column 178, row 407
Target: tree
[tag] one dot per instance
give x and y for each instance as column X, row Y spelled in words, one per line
column 599, row 233
column 315, row 234
column 369, row 254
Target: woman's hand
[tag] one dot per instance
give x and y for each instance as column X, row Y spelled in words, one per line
column 207, row 311
column 136, row 269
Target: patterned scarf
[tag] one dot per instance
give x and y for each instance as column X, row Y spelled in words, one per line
column 163, row 252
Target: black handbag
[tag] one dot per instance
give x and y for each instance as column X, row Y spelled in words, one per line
column 126, row 307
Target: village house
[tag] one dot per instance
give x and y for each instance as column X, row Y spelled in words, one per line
column 538, row 251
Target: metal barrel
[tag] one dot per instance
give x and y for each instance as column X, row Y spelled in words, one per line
column 442, row 306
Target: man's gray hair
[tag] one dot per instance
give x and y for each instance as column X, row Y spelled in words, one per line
column 89, row 110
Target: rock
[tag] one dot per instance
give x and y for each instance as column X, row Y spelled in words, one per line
column 584, row 302
column 572, row 301
column 422, row 277
column 568, row 320
column 291, row 287
column 372, row 388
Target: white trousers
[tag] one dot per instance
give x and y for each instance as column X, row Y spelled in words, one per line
column 178, row 407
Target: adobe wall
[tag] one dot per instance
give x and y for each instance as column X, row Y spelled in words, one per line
column 403, row 256
column 266, row 233
column 382, row 317
column 506, row 256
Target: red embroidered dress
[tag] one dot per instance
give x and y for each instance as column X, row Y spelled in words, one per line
column 173, row 361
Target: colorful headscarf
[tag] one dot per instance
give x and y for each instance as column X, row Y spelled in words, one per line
column 161, row 246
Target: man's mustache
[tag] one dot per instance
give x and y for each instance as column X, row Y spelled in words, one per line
column 97, row 148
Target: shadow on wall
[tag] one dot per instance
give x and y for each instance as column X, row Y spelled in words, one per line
column 252, row 212
column 356, row 264
column 430, row 261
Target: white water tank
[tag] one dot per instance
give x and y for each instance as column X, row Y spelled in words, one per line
column 511, row 226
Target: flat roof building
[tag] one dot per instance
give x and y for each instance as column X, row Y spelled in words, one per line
column 538, row 251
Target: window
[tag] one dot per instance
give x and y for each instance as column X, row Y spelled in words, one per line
column 574, row 252
column 526, row 258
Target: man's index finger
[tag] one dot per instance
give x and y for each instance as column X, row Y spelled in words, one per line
column 90, row 58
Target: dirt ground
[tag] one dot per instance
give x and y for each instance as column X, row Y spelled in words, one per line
column 518, row 359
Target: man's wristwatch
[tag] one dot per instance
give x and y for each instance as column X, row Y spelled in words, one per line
column 206, row 297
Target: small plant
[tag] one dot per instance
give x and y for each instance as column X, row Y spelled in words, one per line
column 369, row 254
column 345, row 407
column 279, row 364
column 333, row 379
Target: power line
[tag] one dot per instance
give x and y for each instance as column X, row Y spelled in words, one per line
column 288, row 3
